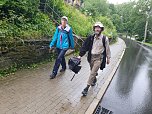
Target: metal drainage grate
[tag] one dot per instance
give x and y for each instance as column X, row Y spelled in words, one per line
column 102, row 110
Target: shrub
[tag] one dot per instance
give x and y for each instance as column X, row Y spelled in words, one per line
column 22, row 19
column 80, row 23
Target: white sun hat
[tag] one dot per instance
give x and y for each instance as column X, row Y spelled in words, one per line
column 98, row 24
column 64, row 17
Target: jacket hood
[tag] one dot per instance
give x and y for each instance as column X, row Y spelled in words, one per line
column 67, row 28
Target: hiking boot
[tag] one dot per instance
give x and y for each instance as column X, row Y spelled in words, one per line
column 85, row 92
column 94, row 82
column 62, row 70
column 52, row 76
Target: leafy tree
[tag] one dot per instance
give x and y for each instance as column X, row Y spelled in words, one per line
column 144, row 10
column 112, row 9
column 96, row 7
column 134, row 17
column 117, row 21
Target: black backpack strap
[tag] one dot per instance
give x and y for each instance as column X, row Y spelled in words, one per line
column 104, row 42
column 103, row 64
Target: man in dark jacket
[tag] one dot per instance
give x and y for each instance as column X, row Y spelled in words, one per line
column 96, row 45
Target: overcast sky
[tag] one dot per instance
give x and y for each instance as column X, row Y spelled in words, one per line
column 118, row 1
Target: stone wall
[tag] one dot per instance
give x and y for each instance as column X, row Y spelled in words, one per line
column 18, row 53
column 25, row 53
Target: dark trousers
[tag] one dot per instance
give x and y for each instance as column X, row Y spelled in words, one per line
column 60, row 60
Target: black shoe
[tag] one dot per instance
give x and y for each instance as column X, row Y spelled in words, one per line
column 94, row 82
column 62, row 70
column 52, row 76
column 85, row 92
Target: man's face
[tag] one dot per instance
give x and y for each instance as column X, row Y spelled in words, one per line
column 98, row 30
column 63, row 22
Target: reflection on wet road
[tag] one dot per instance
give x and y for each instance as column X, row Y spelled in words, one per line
column 130, row 92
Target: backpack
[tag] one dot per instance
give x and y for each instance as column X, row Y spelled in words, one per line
column 74, row 65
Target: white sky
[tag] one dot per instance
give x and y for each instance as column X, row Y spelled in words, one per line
column 118, row 1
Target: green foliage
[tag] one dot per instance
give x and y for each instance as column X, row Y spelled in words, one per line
column 80, row 23
column 100, row 10
column 133, row 16
column 112, row 9
column 117, row 21
column 22, row 19
column 96, row 7
column 8, row 71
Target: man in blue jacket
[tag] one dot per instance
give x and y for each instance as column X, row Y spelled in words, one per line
column 63, row 40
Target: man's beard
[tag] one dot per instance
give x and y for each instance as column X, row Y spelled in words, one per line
column 97, row 33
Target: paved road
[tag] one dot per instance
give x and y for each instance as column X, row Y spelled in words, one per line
column 30, row 91
column 131, row 89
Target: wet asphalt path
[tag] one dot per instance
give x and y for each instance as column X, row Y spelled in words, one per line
column 130, row 92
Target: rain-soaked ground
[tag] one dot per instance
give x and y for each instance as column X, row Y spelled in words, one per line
column 130, row 92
